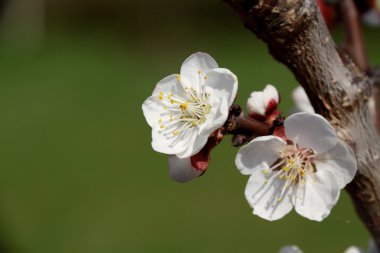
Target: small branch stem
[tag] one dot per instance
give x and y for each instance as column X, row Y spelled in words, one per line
column 355, row 38
column 236, row 123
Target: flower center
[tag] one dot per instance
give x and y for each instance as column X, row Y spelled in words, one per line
column 293, row 166
column 183, row 113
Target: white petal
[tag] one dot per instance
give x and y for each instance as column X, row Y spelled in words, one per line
column 193, row 145
column 315, row 199
column 290, row 249
column 310, row 131
column 256, row 103
column 181, row 170
column 354, row 249
column 301, row 100
column 341, row 161
column 162, row 144
column 195, row 67
column 216, row 117
column 270, row 92
column 372, row 108
column 152, row 110
column 223, row 84
column 263, row 196
column 169, row 84
column 259, row 154
column 153, row 106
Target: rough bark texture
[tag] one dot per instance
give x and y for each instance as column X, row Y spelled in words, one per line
column 297, row 36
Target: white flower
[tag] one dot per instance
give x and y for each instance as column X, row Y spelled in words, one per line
column 302, row 100
column 372, row 17
column 181, row 169
column 185, row 109
column 353, row 249
column 371, row 249
column 306, row 172
column 263, row 102
column 290, row 249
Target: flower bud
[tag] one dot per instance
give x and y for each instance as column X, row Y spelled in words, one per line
column 263, row 104
column 182, row 170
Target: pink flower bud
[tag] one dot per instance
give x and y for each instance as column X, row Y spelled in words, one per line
column 263, row 104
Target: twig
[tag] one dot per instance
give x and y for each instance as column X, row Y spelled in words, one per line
column 355, row 38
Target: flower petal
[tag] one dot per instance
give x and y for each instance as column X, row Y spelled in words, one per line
column 310, row 131
column 168, row 85
column 258, row 154
column 262, row 193
column 317, row 196
column 256, row 103
column 270, row 92
column 301, row 100
column 340, row 161
column 224, row 84
column 290, row 249
column 195, row 67
column 193, row 145
column 163, row 144
column 181, row 170
column 151, row 110
column 153, row 107
column 216, row 118
column 354, row 249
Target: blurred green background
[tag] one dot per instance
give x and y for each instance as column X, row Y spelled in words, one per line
column 77, row 170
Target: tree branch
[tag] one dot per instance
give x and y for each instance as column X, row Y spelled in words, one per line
column 297, row 36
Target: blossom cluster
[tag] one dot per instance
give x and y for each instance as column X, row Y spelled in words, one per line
column 301, row 164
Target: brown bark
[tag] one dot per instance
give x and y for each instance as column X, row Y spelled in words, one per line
column 297, row 36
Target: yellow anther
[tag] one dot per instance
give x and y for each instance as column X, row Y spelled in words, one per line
column 176, row 133
column 184, row 106
column 171, row 118
column 293, row 177
column 172, row 101
column 162, row 126
column 160, row 120
column 303, row 181
column 205, row 77
column 287, row 177
column 286, row 168
column 178, row 77
column 266, row 171
column 165, row 108
column 199, row 71
column 279, row 199
column 281, row 176
column 161, row 95
column 266, row 181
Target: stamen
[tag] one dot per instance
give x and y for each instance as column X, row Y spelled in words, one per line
column 183, row 112
column 294, row 165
